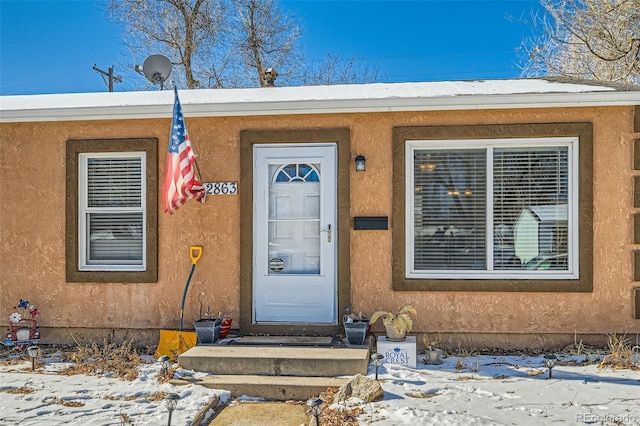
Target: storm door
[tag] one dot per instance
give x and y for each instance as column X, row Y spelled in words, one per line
column 294, row 228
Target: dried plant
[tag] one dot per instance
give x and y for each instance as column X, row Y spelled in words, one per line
column 431, row 343
column 165, row 375
column 120, row 360
column 337, row 413
column 401, row 321
column 621, row 353
column 352, row 316
column 125, row 420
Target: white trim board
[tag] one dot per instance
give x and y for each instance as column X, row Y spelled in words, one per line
column 353, row 98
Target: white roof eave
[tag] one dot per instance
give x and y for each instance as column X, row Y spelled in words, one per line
column 289, row 101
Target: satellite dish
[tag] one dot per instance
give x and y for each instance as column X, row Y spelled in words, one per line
column 157, row 69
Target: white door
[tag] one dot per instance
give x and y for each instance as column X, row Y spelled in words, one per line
column 294, row 231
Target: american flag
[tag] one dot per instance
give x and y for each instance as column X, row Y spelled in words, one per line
column 180, row 181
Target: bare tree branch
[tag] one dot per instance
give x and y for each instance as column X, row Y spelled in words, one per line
column 592, row 39
column 224, row 43
column 267, row 38
column 334, row 70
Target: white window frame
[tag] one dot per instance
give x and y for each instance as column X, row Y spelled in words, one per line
column 572, row 144
column 84, row 210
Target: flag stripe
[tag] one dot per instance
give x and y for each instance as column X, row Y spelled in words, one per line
column 180, row 180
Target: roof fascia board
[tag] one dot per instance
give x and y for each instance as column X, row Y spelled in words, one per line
column 161, row 106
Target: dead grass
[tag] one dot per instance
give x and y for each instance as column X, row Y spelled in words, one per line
column 22, row 390
column 591, row 353
column 121, row 360
column 60, row 401
column 468, row 378
column 462, row 363
column 345, row 416
column 125, row 420
column 158, row 396
column 421, row 395
column 165, row 375
column 622, row 354
column 12, row 361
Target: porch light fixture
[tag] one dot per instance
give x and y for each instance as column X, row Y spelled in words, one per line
column 171, row 401
column 32, row 351
column 550, row 362
column 360, row 163
column 315, row 404
column 377, row 361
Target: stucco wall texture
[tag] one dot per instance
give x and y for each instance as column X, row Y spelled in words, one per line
column 32, row 227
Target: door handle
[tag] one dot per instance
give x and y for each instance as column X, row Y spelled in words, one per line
column 328, row 231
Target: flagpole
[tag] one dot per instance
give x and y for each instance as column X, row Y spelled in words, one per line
column 195, row 154
column 195, row 161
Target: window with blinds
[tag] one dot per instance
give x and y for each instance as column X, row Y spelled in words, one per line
column 111, row 211
column 499, row 208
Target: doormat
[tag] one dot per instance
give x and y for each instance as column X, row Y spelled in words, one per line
column 287, row 341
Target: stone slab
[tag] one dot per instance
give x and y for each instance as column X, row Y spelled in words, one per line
column 276, row 361
column 277, row 388
column 263, row 414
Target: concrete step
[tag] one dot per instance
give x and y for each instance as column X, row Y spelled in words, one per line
column 277, row 388
column 276, row 361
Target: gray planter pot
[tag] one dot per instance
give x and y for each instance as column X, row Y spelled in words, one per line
column 207, row 330
column 356, row 332
column 434, row 356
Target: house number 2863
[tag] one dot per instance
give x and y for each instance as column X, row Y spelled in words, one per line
column 221, row 188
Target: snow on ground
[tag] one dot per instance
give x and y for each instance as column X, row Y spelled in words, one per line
column 508, row 390
column 50, row 398
column 469, row 390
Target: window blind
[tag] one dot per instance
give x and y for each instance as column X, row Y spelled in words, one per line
column 114, row 211
column 114, row 182
column 450, row 209
column 530, row 207
column 492, row 208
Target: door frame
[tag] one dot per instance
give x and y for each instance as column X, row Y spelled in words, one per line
column 249, row 138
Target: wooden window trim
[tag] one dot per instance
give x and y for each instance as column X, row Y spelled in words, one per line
column 583, row 131
column 73, row 149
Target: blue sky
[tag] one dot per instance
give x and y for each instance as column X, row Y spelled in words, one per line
column 50, row 46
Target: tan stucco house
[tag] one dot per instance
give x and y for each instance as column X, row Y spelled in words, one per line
column 506, row 212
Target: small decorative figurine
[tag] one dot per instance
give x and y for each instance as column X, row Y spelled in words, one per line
column 23, row 328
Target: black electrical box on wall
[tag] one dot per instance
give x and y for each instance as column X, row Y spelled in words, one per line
column 370, row 223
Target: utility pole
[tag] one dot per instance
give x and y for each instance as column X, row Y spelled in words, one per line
column 109, row 74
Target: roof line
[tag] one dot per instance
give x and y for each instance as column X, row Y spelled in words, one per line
column 395, row 97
